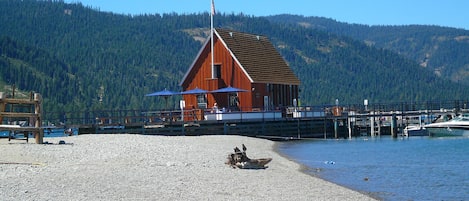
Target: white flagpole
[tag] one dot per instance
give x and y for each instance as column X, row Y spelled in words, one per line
column 212, row 12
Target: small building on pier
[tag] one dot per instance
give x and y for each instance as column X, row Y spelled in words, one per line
column 243, row 61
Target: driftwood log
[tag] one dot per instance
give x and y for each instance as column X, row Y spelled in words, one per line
column 239, row 159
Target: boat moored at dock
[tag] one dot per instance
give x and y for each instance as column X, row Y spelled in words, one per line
column 458, row 126
column 415, row 130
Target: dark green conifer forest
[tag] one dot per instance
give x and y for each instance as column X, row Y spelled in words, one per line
column 79, row 58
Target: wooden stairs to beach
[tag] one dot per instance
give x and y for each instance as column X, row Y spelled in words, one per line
column 27, row 110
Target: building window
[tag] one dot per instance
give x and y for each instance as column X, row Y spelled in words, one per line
column 202, row 101
column 217, row 71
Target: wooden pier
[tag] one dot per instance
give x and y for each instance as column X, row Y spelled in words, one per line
column 268, row 128
column 343, row 125
column 342, row 121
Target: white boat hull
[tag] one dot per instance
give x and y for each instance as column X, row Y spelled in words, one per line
column 448, row 131
column 458, row 126
column 415, row 131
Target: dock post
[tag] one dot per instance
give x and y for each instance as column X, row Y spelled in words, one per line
column 37, row 111
column 379, row 124
column 394, row 125
column 349, row 122
column 372, row 124
column 325, row 127
column 2, row 106
column 298, row 129
column 182, row 104
column 225, row 128
column 336, row 127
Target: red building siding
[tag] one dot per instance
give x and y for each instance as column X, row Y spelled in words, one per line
column 232, row 74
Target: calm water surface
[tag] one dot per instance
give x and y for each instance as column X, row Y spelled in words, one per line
column 55, row 132
column 415, row 168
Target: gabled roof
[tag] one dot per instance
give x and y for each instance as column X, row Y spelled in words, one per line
column 258, row 57
column 255, row 55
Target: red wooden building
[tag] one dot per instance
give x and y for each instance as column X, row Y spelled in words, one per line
column 243, row 61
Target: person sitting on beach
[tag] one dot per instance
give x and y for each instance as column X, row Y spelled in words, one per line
column 69, row 131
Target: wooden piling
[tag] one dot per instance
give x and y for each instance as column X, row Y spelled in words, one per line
column 372, row 124
column 394, row 126
column 349, row 124
column 38, row 120
column 336, row 128
column 2, row 106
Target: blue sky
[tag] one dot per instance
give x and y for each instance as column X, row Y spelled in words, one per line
column 451, row 13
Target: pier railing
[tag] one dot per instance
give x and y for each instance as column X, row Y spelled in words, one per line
column 455, row 105
column 142, row 116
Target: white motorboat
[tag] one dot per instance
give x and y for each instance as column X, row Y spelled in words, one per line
column 415, row 126
column 458, row 126
column 415, row 130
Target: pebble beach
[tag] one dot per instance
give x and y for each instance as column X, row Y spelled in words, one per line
column 142, row 167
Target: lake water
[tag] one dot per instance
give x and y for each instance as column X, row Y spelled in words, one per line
column 53, row 132
column 415, row 168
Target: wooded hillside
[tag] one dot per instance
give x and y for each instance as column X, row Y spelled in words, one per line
column 442, row 50
column 83, row 59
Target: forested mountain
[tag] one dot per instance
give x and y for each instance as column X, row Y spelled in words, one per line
column 31, row 68
column 122, row 57
column 442, row 50
column 81, row 59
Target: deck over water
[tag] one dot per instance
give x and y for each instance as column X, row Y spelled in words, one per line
column 281, row 127
column 300, row 122
column 328, row 126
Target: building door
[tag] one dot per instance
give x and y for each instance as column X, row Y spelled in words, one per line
column 266, row 103
column 234, row 102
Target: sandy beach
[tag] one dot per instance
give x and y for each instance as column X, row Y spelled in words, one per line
column 139, row 167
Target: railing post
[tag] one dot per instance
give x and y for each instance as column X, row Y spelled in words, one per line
column 38, row 120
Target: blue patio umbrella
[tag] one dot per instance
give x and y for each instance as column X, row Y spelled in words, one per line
column 165, row 94
column 195, row 91
column 228, row 90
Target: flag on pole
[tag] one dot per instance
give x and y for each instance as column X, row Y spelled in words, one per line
column 213, row 8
